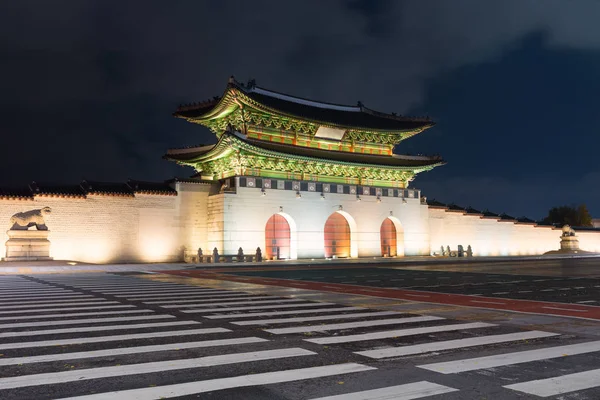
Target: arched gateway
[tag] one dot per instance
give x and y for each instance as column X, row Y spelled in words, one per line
column 391, row 235
column 277, row 238
column 337, row 236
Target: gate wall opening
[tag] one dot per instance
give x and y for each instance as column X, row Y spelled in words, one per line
column 388, row 235
column 337, row 236
column 277, row 238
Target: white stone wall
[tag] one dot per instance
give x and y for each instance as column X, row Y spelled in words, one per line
column 491, row 237
column 101, row 229
column 247, row 212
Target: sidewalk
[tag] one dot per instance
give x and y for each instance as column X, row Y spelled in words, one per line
column 58, row 266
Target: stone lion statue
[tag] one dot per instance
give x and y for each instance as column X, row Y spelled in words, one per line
column 567, row 231
column 24, row 220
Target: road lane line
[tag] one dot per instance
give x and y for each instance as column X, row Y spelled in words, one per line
column 148, row 368
column 454, row 344
column 129, row 350
column 273, row 313
column 472, row 364
column 560, row 384
column 84, row 321
column 113, row 338
column 317, row 318
column 564, row 309
column 348, row 325
column 398, row 333
column 487, row 302
column 408, row 391
column 233, row 303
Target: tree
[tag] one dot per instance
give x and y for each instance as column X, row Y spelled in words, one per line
column 569, row 215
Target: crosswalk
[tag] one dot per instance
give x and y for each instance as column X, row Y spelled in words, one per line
column 122, row 337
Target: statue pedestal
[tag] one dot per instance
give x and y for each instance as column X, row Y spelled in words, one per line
column 569, row 243
column 25, row 245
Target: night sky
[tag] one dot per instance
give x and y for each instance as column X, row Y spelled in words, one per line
column 87, row 88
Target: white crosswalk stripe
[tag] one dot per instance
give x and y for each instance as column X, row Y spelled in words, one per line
column 127, row 295
column 95, row 329
column 129, row 350
column 471, row 364
column 348, row 325
column 12, row 299
column 84, row 314
column 256, row 307
column 73, row 303
column 53, row 301
column 146, row 368
column 114, row 338
column 274, row 313
column 454, row 344
column 205, row 298
column 84, row 321
column 185, row 389
column 408, row 391
column 70, row 308
column 317, row 318
column 559, row 385
column 247, row 302
column 398, row 333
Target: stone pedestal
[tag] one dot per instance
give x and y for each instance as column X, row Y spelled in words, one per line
column 25, row 245
column 569, row 243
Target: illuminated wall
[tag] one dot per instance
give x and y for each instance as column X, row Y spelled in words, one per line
column 102, row 229
column 493, row 237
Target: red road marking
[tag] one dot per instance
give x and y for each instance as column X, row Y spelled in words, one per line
column 524, row 306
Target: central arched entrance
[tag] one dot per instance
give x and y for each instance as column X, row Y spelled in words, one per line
column 277, row 238
column 337, row 236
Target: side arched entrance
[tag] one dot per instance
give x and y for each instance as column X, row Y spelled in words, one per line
column 278, row 237
column 391, row 235
column 337, row 236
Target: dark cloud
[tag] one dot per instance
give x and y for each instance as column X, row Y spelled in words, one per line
column 87, row 87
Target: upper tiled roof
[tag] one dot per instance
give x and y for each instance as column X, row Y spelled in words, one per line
column 15, row 193
column 359, row 116
column 151, row 187
column 107, row 188
column 86, row 188
column 50, row 189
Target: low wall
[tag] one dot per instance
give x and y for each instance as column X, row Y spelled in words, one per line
column 489, row 236
column 105, row 228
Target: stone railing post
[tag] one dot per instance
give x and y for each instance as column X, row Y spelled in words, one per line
column 215, row 255
column 258, row 255
column 240, row 255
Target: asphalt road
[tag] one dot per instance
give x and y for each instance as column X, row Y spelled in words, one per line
column 107, row 336
column 554, row 285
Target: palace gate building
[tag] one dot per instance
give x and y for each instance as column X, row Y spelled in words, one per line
column 306, row 179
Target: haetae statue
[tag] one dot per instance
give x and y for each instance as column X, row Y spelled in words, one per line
column 567, row 231
column 23, row 220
